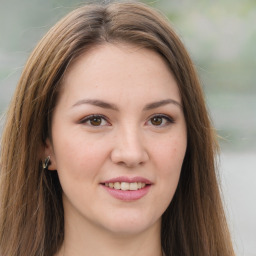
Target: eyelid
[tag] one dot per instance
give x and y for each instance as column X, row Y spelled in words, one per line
column 168, row 118
column 87, row 118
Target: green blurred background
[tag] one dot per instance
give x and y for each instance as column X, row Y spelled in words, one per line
column 221, row 38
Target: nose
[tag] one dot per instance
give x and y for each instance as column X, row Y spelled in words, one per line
column 128, row 149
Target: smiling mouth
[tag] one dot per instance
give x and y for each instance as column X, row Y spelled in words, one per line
column 132, row 186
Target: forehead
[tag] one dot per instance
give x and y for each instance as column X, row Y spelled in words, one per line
column 111, row 69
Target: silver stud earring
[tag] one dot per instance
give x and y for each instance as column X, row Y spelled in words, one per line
column 46, row 163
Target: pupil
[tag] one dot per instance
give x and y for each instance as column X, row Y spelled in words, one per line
column 157, row 121
column 96, row 121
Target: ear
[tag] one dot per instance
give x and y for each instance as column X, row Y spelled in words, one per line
column 48, row 151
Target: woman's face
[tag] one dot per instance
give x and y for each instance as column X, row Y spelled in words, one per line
column 118, row 140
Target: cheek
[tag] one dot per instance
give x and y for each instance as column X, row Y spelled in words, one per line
column 168, row 159
column 169, row 155
column 79, row 158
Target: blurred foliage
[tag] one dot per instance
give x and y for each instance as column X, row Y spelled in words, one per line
column 219, row 35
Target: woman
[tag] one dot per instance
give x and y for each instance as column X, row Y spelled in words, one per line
column 107, row 147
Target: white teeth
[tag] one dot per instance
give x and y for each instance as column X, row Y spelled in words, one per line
column 117, row 185
column 134, row 186
column 126, row 185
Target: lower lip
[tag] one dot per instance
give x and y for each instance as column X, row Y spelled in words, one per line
column 127, row 195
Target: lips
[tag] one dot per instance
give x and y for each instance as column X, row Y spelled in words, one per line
column 126, row 188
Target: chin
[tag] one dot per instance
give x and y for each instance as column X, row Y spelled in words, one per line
column 126, row 225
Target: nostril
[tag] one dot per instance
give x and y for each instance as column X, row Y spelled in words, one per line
column 129, row 158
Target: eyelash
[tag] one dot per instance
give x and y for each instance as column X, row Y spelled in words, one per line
column 168, row 119
column 94, row 116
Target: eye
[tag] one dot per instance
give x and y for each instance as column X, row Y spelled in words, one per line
column 160, row 120
column 95, row 120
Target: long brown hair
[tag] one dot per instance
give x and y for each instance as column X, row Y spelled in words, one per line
column 31, row 211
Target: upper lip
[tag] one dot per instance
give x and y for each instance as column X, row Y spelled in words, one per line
column 128, row 179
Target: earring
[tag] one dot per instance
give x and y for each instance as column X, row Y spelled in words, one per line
column 46, row 162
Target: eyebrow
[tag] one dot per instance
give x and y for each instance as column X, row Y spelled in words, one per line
column 103, row 104
column 95, row 102
column 161, row 103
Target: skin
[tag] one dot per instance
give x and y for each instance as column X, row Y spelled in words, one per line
column 128, row 141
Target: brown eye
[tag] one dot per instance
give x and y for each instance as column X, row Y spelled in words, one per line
column 160, row 120
column 157, row 120
column 96, row 121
